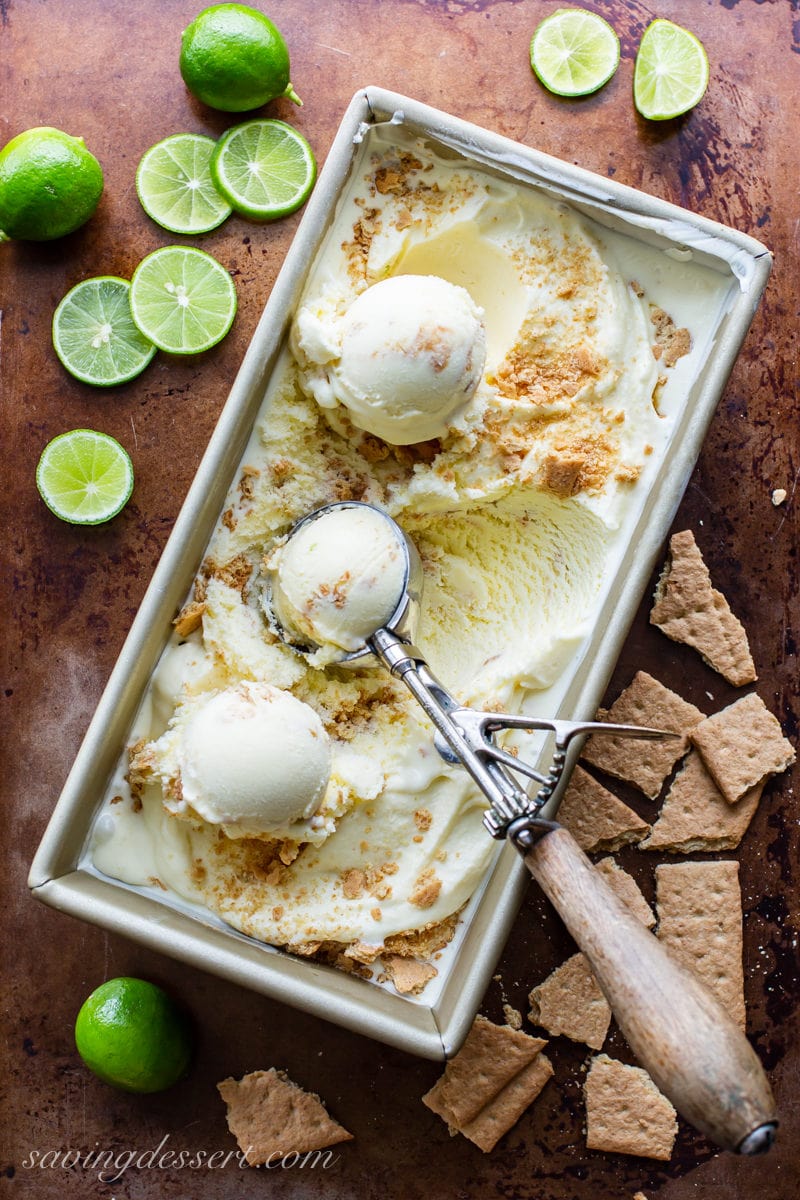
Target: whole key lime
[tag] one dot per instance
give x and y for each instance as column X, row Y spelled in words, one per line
column 234, row 58
column 50, row 184
column 132, row 1035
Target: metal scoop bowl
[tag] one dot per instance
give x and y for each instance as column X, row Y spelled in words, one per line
column 694, row 1051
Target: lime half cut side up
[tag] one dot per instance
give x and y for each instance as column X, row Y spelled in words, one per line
column 94, row 335
column 182, row 299
column 84, row 477
column 175, row 187
column 671, row 72
column 265, row 168
column 574, row 52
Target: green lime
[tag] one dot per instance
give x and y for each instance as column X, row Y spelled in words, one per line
column 670, row 75
column 133, row 1036
column 574, row 52
column 265, row 168
column 182, row 299
column 94, row 334
column 49, row 185
column 175, row 185
column 84, row 477
column 235, row 59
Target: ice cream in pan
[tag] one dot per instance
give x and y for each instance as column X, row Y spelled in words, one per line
column 517, row 503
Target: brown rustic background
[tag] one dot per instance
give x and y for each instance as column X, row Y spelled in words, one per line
column 108, row 70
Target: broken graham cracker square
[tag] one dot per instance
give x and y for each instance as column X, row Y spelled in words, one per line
column 271, row 1116
column 688, row 609
column 408, row 975
column 595, row 817
column 487, row 1086
column 625, row 1111
column 625, row 887
column 645, row 764
column 695, row 816
column 570, row 1002
column 699, row 907
column 742, row 745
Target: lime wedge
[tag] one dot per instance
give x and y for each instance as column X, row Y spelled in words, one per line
column 670, row 75
column 84, row 477
column 175, row 185
column 94, row 334
column 182, row 299
column 574, row 52
column 265, row 168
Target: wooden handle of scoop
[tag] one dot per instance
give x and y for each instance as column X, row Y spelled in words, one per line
column 677, row 1029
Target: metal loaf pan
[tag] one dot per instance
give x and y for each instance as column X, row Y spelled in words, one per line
column 432, row 1027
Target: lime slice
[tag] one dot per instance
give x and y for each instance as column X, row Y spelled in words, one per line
column 84, row 477
column 574, row 52
column 94, row 334
column 671, row 71
column 265, row 168
column 182, row 299
column 175, row 185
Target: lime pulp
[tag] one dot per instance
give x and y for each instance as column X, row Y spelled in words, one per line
column 84, row 477
column 94, row 335
column 182, row 299
column 265, row 168
column 175, row 187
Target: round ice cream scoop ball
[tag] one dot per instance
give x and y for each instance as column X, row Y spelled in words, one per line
column 412, row 354
column 256, row 757
column 339, row 577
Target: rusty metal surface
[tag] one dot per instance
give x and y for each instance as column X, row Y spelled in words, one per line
column 108, row 71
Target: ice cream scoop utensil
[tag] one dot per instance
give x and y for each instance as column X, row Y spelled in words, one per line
column 681, row 1034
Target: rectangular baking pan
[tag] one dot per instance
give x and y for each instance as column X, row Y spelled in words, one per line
column 432, row 1027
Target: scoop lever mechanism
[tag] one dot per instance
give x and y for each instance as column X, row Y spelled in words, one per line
column 464, row 737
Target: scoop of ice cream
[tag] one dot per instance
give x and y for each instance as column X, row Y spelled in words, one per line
column 254, row 757
column 338, row 578
column 412, row 352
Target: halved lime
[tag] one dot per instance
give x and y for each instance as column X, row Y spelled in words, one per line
column 574, row 52
column 670, row 75
column 265, row 168
column 175, row 185
column 84, row 477
column 94, row 334
column 182, row 299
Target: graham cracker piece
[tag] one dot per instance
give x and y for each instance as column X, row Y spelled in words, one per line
column 625, row 1111
column 671, row 342
column 570, row 1002
column 490, row 1057
column 595, row 817
column 696, row 816
column 742, row 745
column 408, row 975
column 508, row 1106
column 269, row 1115
column 627, row 889
column 645, row 764
column 700, row 920
column 687, row 608
column 487, row 1086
